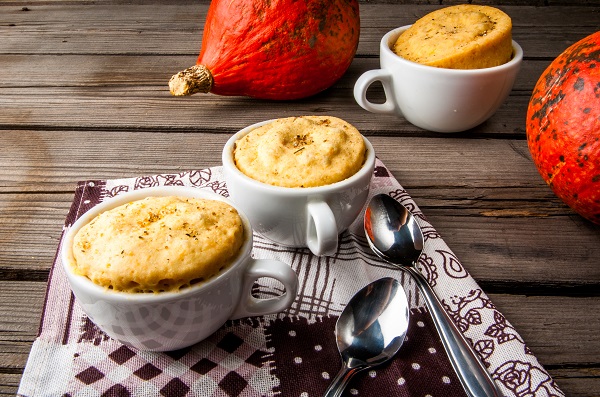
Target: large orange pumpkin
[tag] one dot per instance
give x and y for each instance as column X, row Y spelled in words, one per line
column 272, row 49
column 563, row 126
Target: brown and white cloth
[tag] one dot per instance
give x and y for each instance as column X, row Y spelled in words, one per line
column 292, row 353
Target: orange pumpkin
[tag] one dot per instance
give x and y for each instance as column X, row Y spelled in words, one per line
column 563, row 126
column 272, row 49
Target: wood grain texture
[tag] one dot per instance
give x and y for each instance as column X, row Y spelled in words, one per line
column 175, row 28
column 107, row 95
column 83, row 95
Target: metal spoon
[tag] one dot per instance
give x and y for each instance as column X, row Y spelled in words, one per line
column 370, row 330
column 394, row 235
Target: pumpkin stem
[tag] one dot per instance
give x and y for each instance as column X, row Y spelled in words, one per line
column 191, row 80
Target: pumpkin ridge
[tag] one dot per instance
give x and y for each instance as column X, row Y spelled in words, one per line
column 563, row 126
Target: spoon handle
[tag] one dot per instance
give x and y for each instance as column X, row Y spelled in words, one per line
column 471, row 372
column 340, row 381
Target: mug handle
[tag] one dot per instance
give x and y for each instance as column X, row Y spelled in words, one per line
column 250, row 306
column 364, row 82
column 321, row 231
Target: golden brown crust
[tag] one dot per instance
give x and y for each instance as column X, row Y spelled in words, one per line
column 158, row 244
column 305, row 151
column 459, row 37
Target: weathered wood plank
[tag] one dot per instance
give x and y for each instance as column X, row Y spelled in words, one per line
column 499, row 251
column 539, row 320
column 583, row 382
column 9, row 383
column 144, row 108
column 176, row 28
column 96, row 72
column 31, row 226
column 53, row 161
column 20, row 313
column 108, row 93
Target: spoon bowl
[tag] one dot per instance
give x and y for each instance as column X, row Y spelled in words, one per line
column 370, row 330
column 392, row 231
column 394, row 235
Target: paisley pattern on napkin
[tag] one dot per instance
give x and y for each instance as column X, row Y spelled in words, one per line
column 292, row 353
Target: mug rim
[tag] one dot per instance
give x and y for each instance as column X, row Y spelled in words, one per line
column 229, row 163
column 393, row 34
column 144, row 297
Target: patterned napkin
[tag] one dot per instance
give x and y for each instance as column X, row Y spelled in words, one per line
column 293, row 353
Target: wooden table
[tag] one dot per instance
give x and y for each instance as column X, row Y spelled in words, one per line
column 83, row 95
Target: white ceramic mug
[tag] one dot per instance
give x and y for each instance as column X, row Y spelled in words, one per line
column 310, row 217
column 437, row 99
column 166, row 321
